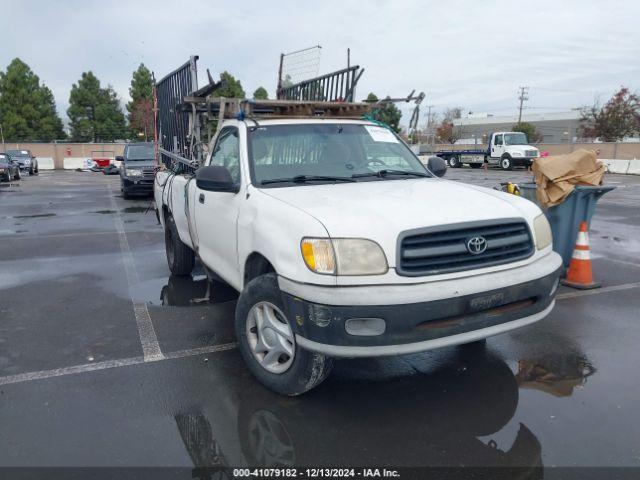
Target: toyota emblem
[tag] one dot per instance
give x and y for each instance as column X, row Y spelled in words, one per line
column 476, row 245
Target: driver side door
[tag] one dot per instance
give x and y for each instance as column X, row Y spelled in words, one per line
column 497, row 147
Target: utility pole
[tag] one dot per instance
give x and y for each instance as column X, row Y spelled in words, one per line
column 429, row 107
column 523, row 98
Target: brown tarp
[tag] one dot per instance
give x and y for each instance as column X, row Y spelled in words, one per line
column 557, row 176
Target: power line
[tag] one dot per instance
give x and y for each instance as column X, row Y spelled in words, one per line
column 523, row 97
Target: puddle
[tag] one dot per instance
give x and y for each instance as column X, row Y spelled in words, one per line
column 558, row 375
column 135, row 209
column 178, row 291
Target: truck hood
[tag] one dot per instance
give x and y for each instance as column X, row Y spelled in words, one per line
column 521, row 148
column 380, row 210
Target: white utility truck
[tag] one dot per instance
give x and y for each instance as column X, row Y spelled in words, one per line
column 343, row 244
column 506, row 149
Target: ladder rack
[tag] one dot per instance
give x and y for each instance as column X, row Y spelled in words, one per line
column 241, row 108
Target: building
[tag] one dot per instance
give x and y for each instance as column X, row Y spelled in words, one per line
column 557, row 127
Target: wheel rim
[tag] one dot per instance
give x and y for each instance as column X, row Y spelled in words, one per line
column 270, row 338
column 505, row 163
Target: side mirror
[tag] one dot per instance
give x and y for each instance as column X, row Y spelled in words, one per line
column 119, row 158
column 216, row 178
column 437, row 166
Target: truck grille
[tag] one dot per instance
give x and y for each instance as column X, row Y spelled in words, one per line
column 530, row 153
column 443, row 249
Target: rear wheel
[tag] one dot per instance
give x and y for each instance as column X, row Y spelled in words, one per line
column 454, row 162
column 506, row 163
column 180, row 257
column 267, row 342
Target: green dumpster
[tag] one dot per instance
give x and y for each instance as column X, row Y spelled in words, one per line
column 565, row 218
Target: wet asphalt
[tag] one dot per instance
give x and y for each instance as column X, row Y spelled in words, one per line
column 75, row 389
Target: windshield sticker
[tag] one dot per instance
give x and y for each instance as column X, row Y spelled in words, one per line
column 381, row 134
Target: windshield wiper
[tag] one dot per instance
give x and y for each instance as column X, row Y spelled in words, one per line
column 385, row 172
column 307, row 178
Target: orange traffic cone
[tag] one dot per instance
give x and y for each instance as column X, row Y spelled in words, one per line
column 579, row 274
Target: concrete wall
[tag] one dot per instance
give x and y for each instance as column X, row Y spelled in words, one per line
column 68, row 155
column 620, row 150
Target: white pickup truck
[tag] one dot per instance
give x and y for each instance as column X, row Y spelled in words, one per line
column 343, row 244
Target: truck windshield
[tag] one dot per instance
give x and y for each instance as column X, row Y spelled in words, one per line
column 140, row 152
column 515, row 139
column 284, row 155
column 18, row 153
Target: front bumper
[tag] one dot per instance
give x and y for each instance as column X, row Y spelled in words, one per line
column 138, row 184
column 415, row 327
column 522, row 162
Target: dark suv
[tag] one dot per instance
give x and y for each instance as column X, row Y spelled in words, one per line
column 9, row 168
column 25, row 159
column 137, row 170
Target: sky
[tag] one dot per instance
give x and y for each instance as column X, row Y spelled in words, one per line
column 472, row 54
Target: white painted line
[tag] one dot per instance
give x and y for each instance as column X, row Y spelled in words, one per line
column 123, row 362
column 77, row 234
column 148, row 339
column 596, row 291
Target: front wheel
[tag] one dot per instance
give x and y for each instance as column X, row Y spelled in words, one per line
column 267, row 342
column 505, row 163
column 17, row 176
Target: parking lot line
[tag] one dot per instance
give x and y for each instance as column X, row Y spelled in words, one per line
column 123, row 362
column 148, row 339
column 584, row 293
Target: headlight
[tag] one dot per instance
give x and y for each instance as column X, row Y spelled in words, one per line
column 27, row 162
column 133, row 172
column 343, row 256
column 542, row 230
column 1, row 170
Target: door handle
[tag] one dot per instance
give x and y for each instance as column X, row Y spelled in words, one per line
column 201, row 198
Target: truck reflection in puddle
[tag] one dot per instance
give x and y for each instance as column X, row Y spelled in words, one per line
column 185, row 291
column 421, row 419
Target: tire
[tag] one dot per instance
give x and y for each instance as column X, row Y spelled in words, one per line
column 180, row 257
column 290, row 373
column 475, row 165
column 506, row 163
column 454, row 162
column 31, row 171
column 17, row 176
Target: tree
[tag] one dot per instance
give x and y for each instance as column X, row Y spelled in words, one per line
column 446, row 131
column 260, row 94
column 140, row 108
column 230, row 88
column 27, row 107
column 141, row 119
column 385, row 112
column 619, row 118
column 94, row 112
column 529, row 130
